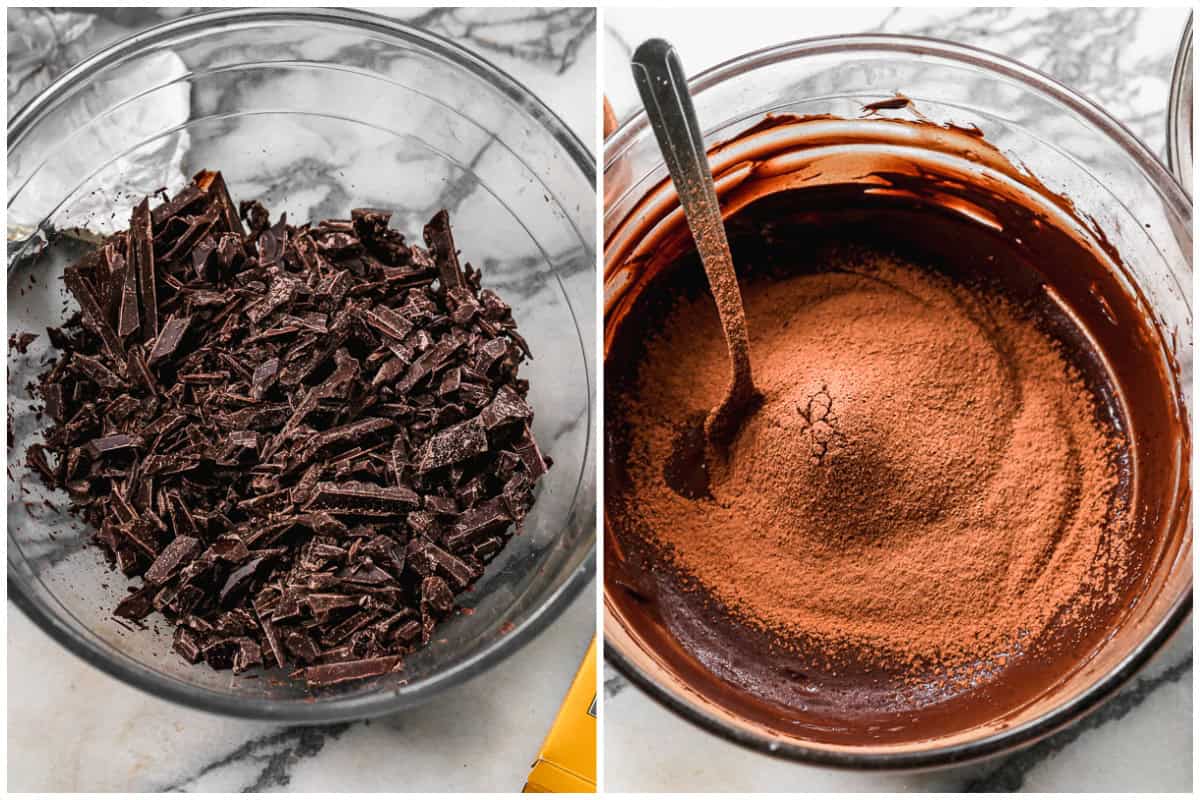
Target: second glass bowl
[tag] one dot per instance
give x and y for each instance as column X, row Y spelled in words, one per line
column 1077, row 151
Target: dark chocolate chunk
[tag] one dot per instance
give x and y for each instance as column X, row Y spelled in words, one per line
column 333, row 674
column 168, row 339
column 129, row 319
column 238, row 581
column 363, row 499
column 174, row 556
column 95, row 369
column 506, row 408
column 187, row 644
column 229, row 548
column 109, row 445
column 388, row 322
column 138, row 604
column 141, row 256
column 477, row 523
column 247, row 655
column 440, row 240
column 436, row 595
column 94, row 318
column 264, row 376
column 531, row 456
column 454, row 444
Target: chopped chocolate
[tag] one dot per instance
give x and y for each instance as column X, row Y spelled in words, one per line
column 247, row 655
column 454, row 444
column 441, row 243
column 108, row 445
column 477, row 523
column 168, row 340
column 436, row 595
column 187, row 644
column 333, row 674
column 507, row 407
column 138, row 604
column 141, row 254
column 181, row 550
column 305, row 440
column 238, row 581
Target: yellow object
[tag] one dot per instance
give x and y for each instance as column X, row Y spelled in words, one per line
column 567, row 762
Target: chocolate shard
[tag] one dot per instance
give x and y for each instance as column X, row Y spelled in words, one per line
column 436, row 595
column 363, row 499
column 333, row 674
column 242, row 445
column 409, row 631
column 229, row 548
column 441, row 241
column 138, row 604
column 345, row 436
column 478, row 523
column 264, row 377
column 197, row 228
column 238, row 581
column 174, row 556
column 323, row 605
column 52, row 394
column 185, row 198
column 187, row 644
column 301, row 646
column 202, row 256
column 272, row 635
column 128, row 317
column 213, row 185
column 531, row 456
column 93, row 316
column 35, row 457
column 388, row 322
column 97, row 371
column 168, row 339
column 506, row 408
column 455, row 444
column 454, row 569
column 110, row 445
column 247, row 655
column 440, row 505
column 141, row 257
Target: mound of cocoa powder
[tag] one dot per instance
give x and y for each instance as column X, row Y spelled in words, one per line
column 928, row 482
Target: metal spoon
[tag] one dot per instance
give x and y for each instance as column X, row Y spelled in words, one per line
column 660, row 80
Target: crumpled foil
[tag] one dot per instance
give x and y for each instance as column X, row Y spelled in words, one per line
column 42, row 45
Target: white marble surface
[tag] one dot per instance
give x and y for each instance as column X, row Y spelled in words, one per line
column 72, row 728
column 1140, row 741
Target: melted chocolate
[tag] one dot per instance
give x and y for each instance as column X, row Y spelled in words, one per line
column 940, row 196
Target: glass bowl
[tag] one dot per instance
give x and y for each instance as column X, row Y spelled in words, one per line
column 1179, row 112
column 1077, row 151
column 313, row 113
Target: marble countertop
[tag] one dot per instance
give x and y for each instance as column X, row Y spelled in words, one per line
column 1142, row 739
column 480, row 736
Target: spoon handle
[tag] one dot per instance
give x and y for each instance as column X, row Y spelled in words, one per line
column 660, row 80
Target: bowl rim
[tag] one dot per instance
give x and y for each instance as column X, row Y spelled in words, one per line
column 1180, row 73
column 381, row 702
column 1105, row 686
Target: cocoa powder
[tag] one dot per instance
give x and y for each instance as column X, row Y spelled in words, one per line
column 927, row 484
